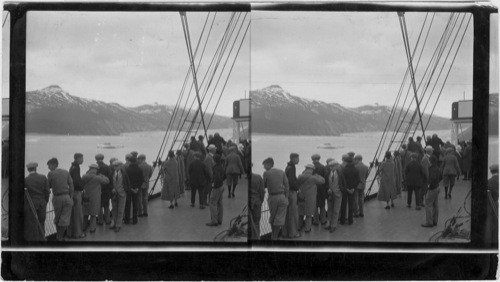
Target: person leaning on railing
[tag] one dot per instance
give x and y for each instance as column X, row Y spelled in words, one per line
column 37, row 187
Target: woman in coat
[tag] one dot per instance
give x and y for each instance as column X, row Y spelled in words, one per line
column 387, row 189
column 171, row 185
column 307, row 186
column 91, row 183
column 450, row 170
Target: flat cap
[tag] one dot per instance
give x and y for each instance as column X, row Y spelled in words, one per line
column 329, row 160
column 141, row 157
column 429, row 149
column 94, row 166
column 212, row 147
column 32, row 165
column 117, row 162
column 99, row 157
column 311, row 166
column 315, row 157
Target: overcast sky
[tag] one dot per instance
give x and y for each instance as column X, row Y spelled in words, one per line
column 128, row 58
column 352, row 59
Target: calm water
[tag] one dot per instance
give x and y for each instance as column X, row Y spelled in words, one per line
column 279, row 148
column 40, row 148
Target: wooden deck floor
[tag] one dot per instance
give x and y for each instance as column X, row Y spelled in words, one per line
column 399, row 224
column 185, row 223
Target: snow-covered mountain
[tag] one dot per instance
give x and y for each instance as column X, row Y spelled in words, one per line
column 53, row 110
column 276, row 111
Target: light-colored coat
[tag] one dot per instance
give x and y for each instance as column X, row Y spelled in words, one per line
column 171, row 187
column 387, row 189
column 91, row 184
column 308, row 187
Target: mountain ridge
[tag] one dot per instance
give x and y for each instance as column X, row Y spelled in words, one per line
column 47, row 112
column 276, row 111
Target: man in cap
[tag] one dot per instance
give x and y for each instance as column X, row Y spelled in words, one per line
column 92, row 183
column 136, row 179
column 62, row 188
column 147, row 172
column 335, row 181
column 127, row 160
column 320, row 170
column 426, row 164
column 359, row 193
column 199, row 177
column 216, row 206
column 210, row 163
column 37, row 187
column 234, row 169
column 105, row 170
column 415, row 179
column 276, row 182
column 431, row 199
column 121, row 184
column 257, row 195
column 75, row 229
column 291, row 227
column 351, row 176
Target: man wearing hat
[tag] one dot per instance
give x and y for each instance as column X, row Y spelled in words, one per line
column 359, row 193
column 335, row 180
column 320, row 170
column 136, row 179
column 276, row 182
column 75, row 229
column 121, row 184
column 308, row 183
column 426, row 164
column 147, row 172
column 92, row 183
column 351, row 176
column 38, row 188
column 451, row 169
column 62, row 188
column 291, row 227
column 105, row 170
column 234, row 169
column 199, row 177
column 210, row 163
column 415, row 179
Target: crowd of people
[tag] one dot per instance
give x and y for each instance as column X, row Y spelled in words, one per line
column 334, row 193
column 118, row 193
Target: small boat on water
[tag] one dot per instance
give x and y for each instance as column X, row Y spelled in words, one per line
column 108, row 145
column 327, row 146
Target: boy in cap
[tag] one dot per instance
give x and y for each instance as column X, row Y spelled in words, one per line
column 37, row 187
column 62, row 187
column 276, row 182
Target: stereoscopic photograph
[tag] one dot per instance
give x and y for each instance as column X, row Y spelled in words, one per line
column 137, row 126
column 362, row 126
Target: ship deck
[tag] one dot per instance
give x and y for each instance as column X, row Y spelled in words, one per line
column 399, row 224
column 182, row 224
